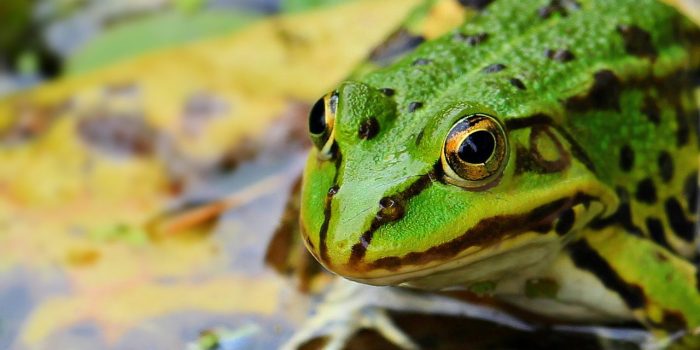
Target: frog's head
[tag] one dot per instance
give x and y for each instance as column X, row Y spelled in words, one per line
column 440, row 195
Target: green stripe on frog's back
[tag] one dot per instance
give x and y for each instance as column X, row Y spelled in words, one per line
column 524, row 66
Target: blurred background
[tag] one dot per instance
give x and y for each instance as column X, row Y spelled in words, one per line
column 148, row 148
column 147, row 153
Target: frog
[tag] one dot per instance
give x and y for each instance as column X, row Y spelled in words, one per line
column 543, row 152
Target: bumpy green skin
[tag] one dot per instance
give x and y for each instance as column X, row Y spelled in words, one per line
column 601, row 167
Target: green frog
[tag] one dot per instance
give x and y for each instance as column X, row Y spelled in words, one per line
column 544, row 152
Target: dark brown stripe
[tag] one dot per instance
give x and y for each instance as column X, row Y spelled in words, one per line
column 381, row 218
column 576, row 149
column 548, row 166
column 588, row 259
column 323, row 232
column 487, row 232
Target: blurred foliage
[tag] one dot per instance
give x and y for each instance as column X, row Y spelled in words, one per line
column 303, row 5
column 89, row 160
column 15, row 16
column 161, row 30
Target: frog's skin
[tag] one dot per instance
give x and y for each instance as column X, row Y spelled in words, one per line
column 586, row 206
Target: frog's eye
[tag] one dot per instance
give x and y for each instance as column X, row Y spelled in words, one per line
column 321, row 122
column 474, row 153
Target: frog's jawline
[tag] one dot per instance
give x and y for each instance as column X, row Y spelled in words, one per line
column 539, row 220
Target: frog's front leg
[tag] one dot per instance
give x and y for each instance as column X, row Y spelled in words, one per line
column 350, row 306
column 347, row 308
column 660, row 288
column 612, row 275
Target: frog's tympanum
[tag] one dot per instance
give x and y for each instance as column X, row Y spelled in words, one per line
column 540, row 142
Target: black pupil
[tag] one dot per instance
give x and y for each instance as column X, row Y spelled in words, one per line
column 317, row 118
column 477, row 147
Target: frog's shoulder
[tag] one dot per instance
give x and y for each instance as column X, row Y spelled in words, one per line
column 427, row 21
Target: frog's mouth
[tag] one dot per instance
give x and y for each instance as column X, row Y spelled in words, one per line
column 491, row 248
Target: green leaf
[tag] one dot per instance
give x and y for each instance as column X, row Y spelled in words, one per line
column 166, row 29
column 303, row 5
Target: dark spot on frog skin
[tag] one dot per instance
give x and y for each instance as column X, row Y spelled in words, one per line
column 665, row 163
column 681, row 226
column 682, row 127
column 471, row 40
column 651, row 110
column 646, row 191
column 398, row 44
column 561, row 55
column 493, row 68
column 517, row 83
column 368, row 129
column 690, row 191
column 546, row 288
column 626, row 158
column 565, row 222
column 623, row 215
column 419, row 138
column 476, row 4
column 637, row 41
column 557, row 6
column 655, row 228
column 421, row 62
column 390, row 209
column 413, row 106
column 603, row 94
column 672, row 321
column 387, row 92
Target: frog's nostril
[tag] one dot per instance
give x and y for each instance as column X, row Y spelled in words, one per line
column 390, row 209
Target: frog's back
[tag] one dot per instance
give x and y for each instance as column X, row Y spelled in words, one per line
column 584, row 169
column 613, row 77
